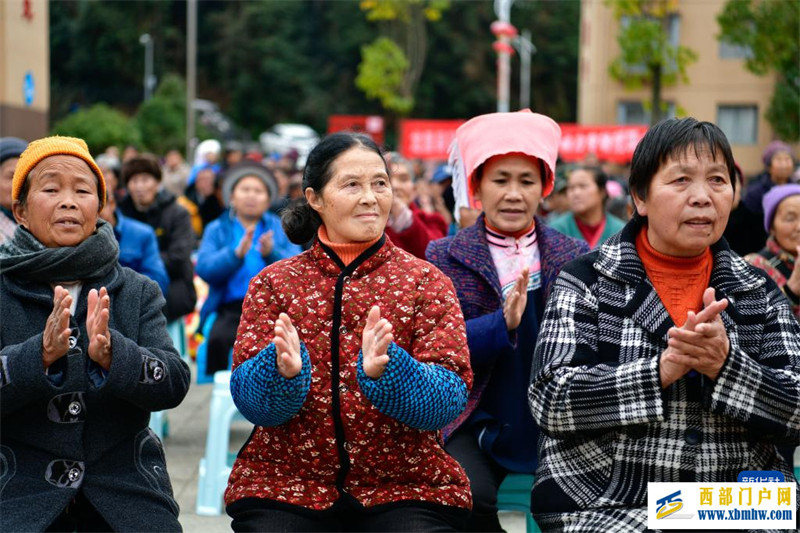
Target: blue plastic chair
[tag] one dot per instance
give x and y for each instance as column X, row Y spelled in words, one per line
column 215, row 466
column 515, row 495
column 202, row 352
column 159, row 422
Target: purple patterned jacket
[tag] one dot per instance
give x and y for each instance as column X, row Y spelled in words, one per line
column 465, row 258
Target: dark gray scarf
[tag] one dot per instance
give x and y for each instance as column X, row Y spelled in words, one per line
column 24, row 257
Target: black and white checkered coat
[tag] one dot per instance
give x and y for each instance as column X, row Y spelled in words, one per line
column 595, row 391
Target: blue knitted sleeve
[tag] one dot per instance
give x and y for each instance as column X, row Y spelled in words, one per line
column 421, row 395
column 265, row 397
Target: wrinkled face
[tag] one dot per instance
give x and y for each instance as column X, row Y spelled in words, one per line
column 786, row 224
column 583, row 193
column 6, row 177
column 781, row 167
column 688, row 204
column 510, row 191
column 250, row 197
column 354, row 205
column 402, row 184
column 62, row 202
column 143, row 189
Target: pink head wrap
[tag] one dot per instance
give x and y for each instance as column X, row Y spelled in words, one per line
column 486, row 136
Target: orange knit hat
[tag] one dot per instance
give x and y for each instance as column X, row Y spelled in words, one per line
column 57, row 145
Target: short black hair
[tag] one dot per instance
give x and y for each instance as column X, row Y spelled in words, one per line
column 670, row 138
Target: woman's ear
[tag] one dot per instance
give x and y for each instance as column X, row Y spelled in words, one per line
column 639, row 205
column 20, row 214
column 313, row 199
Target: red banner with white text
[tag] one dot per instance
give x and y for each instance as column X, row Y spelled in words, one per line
column 608, row 143
column 430, row 139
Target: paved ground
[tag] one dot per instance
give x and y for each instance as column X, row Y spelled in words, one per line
column 185, row 445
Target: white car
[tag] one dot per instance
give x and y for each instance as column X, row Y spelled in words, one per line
column 281, row 138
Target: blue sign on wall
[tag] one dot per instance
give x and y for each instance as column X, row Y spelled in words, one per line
column 28, row 88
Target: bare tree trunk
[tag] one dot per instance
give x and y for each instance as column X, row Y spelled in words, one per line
column 655, row 96
column 416, row 48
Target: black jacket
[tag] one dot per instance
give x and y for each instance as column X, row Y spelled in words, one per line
column 85, row 434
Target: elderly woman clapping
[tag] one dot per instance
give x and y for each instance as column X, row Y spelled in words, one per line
column 662, row 355
column 84, row 358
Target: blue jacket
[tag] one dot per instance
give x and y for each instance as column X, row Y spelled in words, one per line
column 227, row 274
column 138, row 249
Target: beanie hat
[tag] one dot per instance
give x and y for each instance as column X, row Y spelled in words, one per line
column 140, row 164
column 485, row 136
column 50, row 146
column 773, row 198
column 244, row 169
column 11, row 147
column 773, row 148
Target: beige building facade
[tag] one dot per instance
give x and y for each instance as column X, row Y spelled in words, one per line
column 24, row 68
column 720, row 88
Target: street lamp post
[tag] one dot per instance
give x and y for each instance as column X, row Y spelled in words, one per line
column 149, row 79
column 504, row 31
column 526, row 49
column 191, row 74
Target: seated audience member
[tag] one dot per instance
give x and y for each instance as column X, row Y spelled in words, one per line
column 587, row 217
column 159, row 209
column 778, row 160
column 410, row 227
column 779, row 256
column 206, row 194
column 662, row 356
column 85, row 358
column 503, row 267
column 236, row 247
column 349, row 359
column 175, row 173
column 10, row 150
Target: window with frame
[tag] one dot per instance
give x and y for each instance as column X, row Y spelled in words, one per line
column 734, row 51
column 739, row 123
column 634, row 112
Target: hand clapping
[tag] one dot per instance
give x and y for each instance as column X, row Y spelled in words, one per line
column 287, row 344
column 701, row 343
column 97, row 327
column 55, row 339
column 375, row 342
column 517, row 299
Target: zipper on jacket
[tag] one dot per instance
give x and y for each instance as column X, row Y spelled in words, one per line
column 338, row 425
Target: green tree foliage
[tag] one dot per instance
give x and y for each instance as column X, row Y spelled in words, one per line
column 401, row 51
column 100, row 126
column 162, row 119
column 380, row 74
column 771, row 30
column 296, row 60
column 647, row 58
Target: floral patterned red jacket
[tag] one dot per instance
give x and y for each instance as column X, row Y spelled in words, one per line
column 335, row 440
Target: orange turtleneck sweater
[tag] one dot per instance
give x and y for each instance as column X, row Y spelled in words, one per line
column 679, row 281
column 347, row 251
